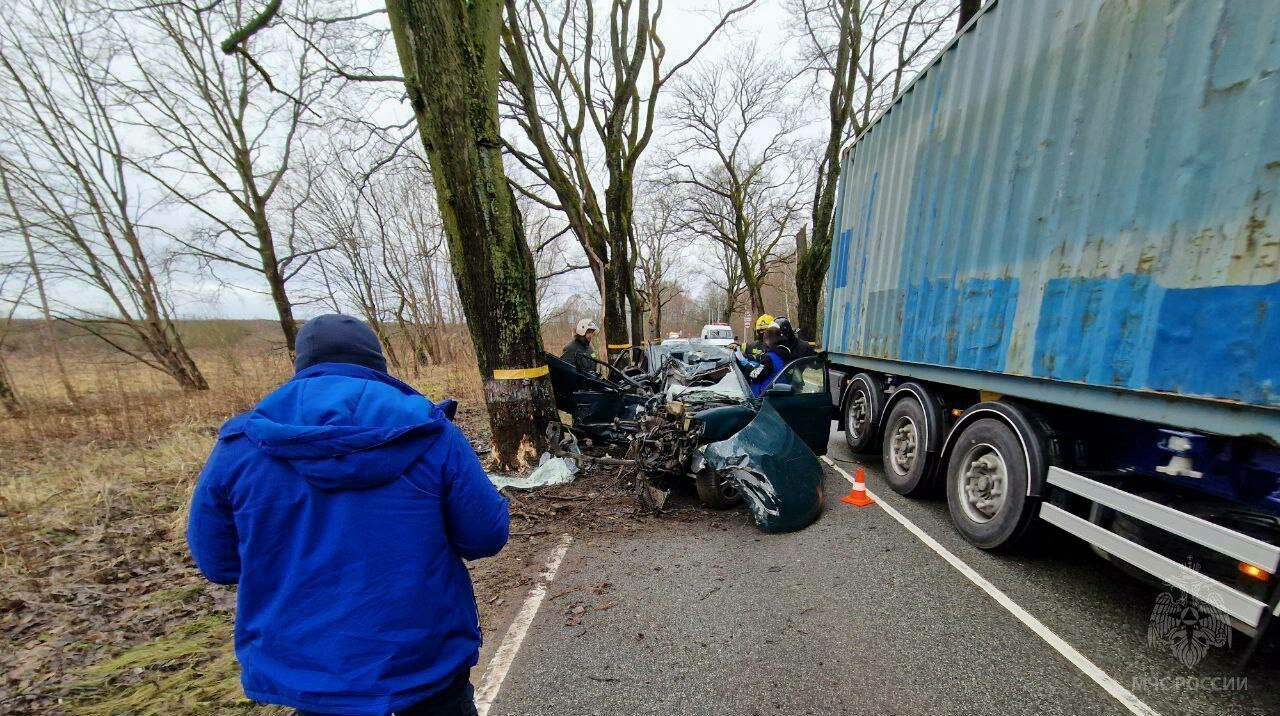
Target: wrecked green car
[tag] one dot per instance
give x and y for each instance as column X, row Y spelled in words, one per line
column 686, row 412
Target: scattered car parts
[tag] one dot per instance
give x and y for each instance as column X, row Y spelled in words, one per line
column 686, row 413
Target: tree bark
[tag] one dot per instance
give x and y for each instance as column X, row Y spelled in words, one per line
column 968, row 8
column 811, row 274
column 614, row 296
column 613, row 79
column 811, row 265
column 8, row 396
column 276, row 281
column 449, row 52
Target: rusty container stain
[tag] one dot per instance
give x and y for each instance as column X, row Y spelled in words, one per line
column 1081, row 191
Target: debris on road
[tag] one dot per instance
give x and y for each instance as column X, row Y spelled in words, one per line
column 686, row 414
column 550, row 471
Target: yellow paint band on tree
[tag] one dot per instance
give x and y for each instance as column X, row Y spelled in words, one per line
column 520, row 373
column 619, row 346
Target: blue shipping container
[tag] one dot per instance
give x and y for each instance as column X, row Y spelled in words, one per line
column 1079, row 193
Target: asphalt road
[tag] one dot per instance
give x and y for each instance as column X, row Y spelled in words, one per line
column 853, row 615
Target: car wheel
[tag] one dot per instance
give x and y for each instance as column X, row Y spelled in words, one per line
column 715, row 490
column 862, row 408
column 987, row 485
column 902, row 446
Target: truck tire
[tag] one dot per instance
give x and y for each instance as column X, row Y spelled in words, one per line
column 987, row 485
column 906, row 460
column 715, row 491
column 863, row 407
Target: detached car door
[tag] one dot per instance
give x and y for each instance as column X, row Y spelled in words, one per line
column 799, row 394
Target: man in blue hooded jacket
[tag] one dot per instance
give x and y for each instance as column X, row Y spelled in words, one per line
column 343, row 506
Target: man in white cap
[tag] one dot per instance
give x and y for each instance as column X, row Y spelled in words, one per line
column 578, row 352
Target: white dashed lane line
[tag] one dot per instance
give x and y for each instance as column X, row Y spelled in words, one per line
column 502, row 659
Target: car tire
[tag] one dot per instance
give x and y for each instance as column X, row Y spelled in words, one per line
column 903, row 449
column 986, row 485
column 715, row 491
column 863, row 406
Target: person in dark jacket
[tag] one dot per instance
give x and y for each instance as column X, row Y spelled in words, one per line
column 343, row 506
column 757, row 348
column 578, row 352
column 796, row 346
column 762, row 369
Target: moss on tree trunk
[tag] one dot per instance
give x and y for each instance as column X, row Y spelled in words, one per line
column 449, row 52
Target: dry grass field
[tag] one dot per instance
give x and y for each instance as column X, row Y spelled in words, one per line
column 102, row 612
column 101, row 609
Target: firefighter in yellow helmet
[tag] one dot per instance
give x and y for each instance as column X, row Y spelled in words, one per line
column 757, row 349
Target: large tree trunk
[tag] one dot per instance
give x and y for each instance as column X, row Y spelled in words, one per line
column 449, row 52
column 618, row 209
column 726, row 314
column 811, row 272
column 637, row 317
column 811, row 267
column 614, row 296
column 656, row 314
column 751, row 286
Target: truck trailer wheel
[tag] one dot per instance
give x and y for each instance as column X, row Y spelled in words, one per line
column 987, row 485
column 903, row 448
column 863, row 406
column 715, row 491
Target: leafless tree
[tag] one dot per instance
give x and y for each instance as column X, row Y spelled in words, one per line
column 14, row 285
column 555, row 252
column 858, row 55
column 726, row 276
column 735, row 156
column 416, row 261
column 333, row 214
column 69, row 169
column 659, row 244
column 224, row 128
column 37, row 280
column 389, row 258
column 448, row 52
column 582, row 80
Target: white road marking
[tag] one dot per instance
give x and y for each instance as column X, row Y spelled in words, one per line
column 502, row 659
column 1080, row 661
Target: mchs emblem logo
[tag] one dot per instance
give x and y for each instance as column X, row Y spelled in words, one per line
column 1187, row 626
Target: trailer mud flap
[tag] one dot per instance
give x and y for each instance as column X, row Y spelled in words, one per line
column 778, row 476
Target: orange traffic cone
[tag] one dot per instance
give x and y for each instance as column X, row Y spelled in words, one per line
column 858, row 495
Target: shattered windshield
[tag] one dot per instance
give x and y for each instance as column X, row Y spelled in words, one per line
column 729, row 385
column 697, row 372
column 690, row 352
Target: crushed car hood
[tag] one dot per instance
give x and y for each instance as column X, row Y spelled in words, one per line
column 778, row 476
column 729, row 386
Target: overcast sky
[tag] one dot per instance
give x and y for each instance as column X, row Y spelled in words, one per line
column 684, row 24
column 681, row 30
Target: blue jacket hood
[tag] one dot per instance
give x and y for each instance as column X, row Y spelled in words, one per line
column 342, row 426
column 344, row 505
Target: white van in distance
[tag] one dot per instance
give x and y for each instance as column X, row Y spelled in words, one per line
column 718, row 334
